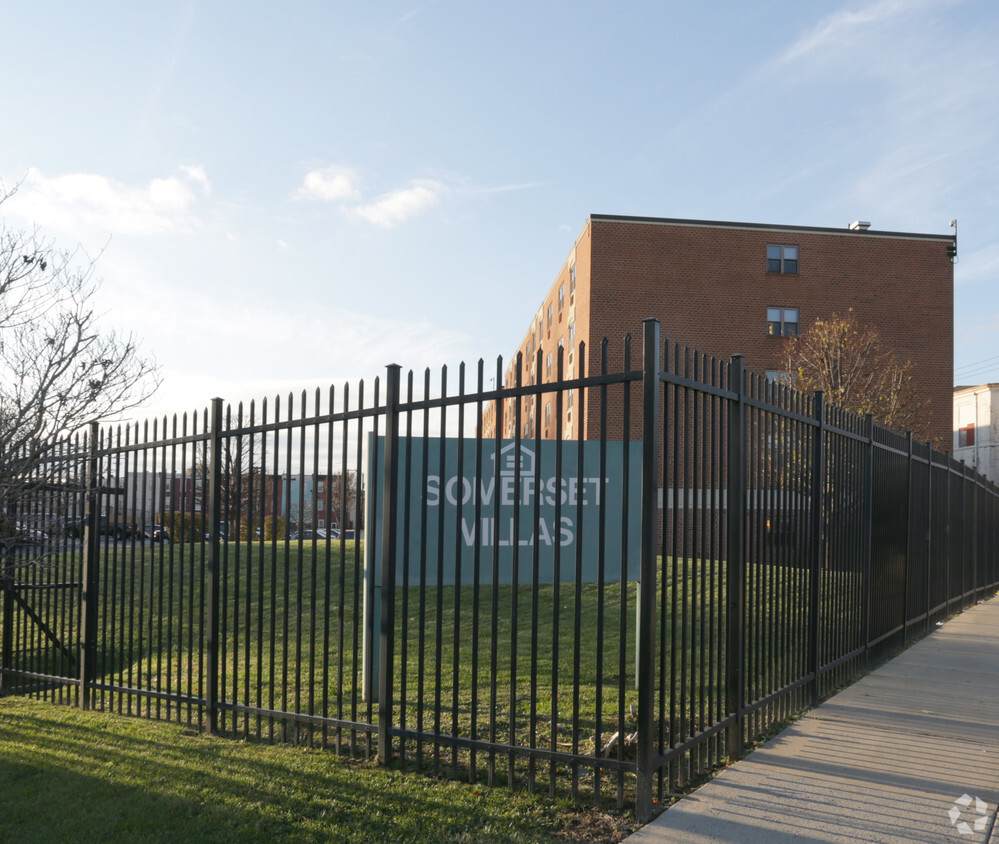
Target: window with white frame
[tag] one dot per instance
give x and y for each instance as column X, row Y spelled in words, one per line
column 782, row 259
column 782, row 322
column 561, row 296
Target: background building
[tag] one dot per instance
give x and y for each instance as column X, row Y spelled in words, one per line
column 976, row 428
column 727, row 288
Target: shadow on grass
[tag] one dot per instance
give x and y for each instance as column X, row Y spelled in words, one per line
column 64, row 773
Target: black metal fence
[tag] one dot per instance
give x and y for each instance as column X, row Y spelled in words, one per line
column 608, row 618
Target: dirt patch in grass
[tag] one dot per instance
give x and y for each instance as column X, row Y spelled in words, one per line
column 595, row 825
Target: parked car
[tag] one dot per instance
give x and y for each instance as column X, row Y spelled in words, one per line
column 24, row 537
column 74, row 528
column 159, row 534
column 309, row 535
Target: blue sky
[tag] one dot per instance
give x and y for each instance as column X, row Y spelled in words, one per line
column 298, row 194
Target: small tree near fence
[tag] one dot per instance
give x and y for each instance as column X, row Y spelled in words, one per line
column 857, row 371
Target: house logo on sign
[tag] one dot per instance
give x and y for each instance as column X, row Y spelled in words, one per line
column 509, row 457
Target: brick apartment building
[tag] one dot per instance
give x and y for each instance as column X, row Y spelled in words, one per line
column 726, row 288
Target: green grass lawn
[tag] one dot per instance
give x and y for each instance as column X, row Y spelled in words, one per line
column 560, row 679
column 72, row 775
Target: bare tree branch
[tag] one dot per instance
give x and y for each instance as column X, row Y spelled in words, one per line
column 856, row 370
column 58, row 369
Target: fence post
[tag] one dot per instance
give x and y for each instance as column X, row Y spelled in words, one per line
column 7, row 635
column 386, row 641
column 974, row 534
column 645, row 758
column 214, row 487
column 948, row 542
column 907, row 575
column 735, row 575
column 867, row 528
column 929, row 540
column 91, row 572
column 818, row 540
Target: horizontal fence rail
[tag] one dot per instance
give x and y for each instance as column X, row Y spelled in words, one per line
column 602, row 586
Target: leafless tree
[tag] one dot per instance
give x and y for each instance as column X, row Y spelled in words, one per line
column 343, row 499
column 856, row 370
column 58, row 369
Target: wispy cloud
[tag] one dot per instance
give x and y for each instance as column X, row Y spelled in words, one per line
column 89, row 200
column 413, row 13
column 841, row 33
column 511, row 188
column 198, row 176
column 333, row 344
column 330, row 184
column 392, row 208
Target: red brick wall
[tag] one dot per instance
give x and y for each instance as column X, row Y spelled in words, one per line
column 709, row 287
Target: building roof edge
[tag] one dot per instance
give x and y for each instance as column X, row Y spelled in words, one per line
column 723, row 224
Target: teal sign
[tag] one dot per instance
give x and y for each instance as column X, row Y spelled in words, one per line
column 517, row 506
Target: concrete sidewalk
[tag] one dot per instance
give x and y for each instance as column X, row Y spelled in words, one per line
column 909, row 753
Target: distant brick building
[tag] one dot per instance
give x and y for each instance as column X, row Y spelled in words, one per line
column 727, row 288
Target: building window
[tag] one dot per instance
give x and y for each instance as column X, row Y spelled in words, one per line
column 782, row 259
column 568, row 398
column 551, row 310
column 572, row 283
column 966, row 435
column 561, row 296
column 548, row 366
column 572, row 334
column 548, row 414
column 782, row 322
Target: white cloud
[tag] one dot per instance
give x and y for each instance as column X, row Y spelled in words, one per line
column 97, row 202
column 333, row 345
column 399, row 205
column 198, row 175
column 339, row 184
column 331, row 184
